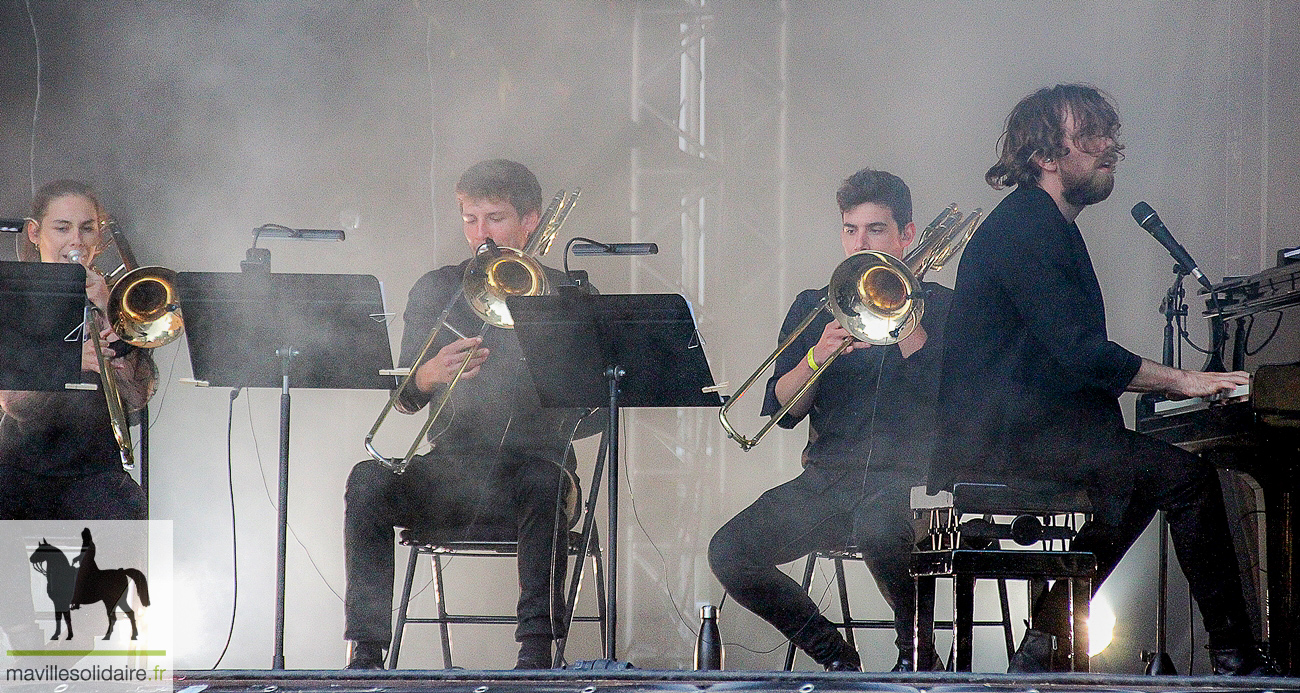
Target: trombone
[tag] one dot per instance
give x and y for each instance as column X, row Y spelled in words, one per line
column 494, row 274
column 143, row 309
column 875, row 296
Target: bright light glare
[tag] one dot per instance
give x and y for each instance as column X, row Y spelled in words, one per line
column 1101, row 626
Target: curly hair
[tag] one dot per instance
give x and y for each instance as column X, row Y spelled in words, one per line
column 880, row 187
column 502, row 179
column 1036, row 126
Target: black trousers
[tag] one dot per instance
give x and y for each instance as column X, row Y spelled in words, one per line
column 1187, row 488
column 819, row 509
column 479, row 496
column 108, row 495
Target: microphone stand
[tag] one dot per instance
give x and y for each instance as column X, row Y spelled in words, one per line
column 1159, row 662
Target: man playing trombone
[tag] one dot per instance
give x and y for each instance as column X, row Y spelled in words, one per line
column 867, row 445
column 498, row 464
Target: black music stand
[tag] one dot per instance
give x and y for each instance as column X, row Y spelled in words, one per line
column 42, row 305
column 612, row 351
column 267, row 330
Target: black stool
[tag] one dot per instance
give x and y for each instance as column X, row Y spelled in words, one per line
column 850, row 624
column 967, row 549
column 498, row 547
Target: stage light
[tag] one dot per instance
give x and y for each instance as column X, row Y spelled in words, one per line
column 1101, row 625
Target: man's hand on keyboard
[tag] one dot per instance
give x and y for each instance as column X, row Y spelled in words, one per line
column 1214, row 386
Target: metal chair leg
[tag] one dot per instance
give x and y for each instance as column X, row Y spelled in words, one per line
column 808, row 567
column 924, row 588
column 575, row 588
column 1007, row 634
column 442, row 611
column 597, row 556
column 963, row 620
column 1080, row 595
column 405, row 604
column 1037, row 589
column 845, row 617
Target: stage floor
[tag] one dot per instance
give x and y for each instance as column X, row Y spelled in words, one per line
column 563, row 681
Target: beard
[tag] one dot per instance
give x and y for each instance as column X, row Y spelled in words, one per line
column 1089, row 189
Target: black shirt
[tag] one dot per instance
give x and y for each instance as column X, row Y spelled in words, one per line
column 1028, row 372
column 852, row 423
column 70, row 436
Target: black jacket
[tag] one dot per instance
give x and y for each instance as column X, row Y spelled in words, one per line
column 1029, row 375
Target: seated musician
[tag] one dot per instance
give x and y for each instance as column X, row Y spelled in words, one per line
column 498, row 458
column 1030, row 381
column 867, row 447
column 58, row 456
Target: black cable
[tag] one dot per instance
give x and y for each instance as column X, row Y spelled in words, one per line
column 163, row 397
column 871, row 432
column 560, row 534
column 257, row 232
column 36, row 106
column 1185, row 337
column 569, row 245
column 664, row 561
column 234, row 547
column 673, row 600
column 266, row 486
column 1250, row 326
column 785, row 642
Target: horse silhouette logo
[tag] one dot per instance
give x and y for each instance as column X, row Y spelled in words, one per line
column 72, row 584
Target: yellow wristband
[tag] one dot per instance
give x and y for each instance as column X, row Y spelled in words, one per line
column 811, row 362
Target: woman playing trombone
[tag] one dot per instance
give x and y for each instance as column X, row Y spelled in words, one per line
column 58, row 456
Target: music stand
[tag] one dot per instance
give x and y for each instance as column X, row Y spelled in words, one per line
column 268, row 330
column 612, row 351
column 41, row 305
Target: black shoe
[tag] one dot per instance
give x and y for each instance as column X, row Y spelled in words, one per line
column 846, row 659
column 1247, row 660
column 366, row 655
column 532, row 662
column 534, row 652
column 1037, row 654
column 842, row 665
column 904, row 663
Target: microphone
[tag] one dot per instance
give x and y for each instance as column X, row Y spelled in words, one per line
column 615, row 249
column 1147, row 218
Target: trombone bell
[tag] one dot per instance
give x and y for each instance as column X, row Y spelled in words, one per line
column 489, row 281
column 883, row 290
column 873, row 295
column 144, row 308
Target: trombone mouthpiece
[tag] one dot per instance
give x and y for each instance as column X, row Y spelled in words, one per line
column 74, row 255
